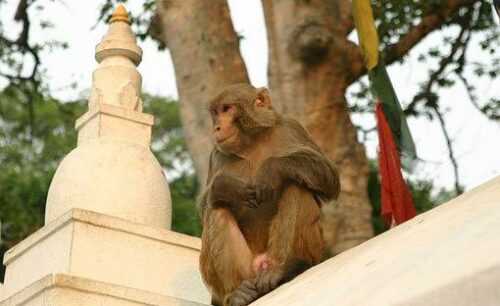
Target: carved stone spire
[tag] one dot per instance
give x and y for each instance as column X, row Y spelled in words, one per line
column 116, row 80
column 119, row 40
column 112, row 170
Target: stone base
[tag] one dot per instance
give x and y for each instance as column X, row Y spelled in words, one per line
column 111, row 250
column 66, row 290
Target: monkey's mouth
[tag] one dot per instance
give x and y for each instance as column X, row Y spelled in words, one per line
column 221, row 140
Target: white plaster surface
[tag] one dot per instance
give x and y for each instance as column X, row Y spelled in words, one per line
column 67, row 290
column 112, row 250
column 115, row 123
column 111, row 177
column 447, row 256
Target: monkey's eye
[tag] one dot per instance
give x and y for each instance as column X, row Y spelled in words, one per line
column 226, row 108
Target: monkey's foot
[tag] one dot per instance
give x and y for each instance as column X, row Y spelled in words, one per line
column 243, row 295
column 268, row 280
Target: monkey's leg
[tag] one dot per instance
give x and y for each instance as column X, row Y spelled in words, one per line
column 225, row 259
column 295, row 238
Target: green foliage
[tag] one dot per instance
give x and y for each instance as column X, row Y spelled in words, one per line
column 32, row 141
column 185, row 218
column 30, row 146
column 170, row 149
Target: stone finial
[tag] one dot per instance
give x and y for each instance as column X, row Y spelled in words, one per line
column 116, row 81
column 120, row 14
column 120, row 40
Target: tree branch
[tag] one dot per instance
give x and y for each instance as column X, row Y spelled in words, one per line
column 22, row 44
column 155, row 30
column 429, row 23
column 460, row 43
column 486, row 109
column 426, row 93
column 434, row 20
column 343, row 13
column 473, row 99
column 451, row 154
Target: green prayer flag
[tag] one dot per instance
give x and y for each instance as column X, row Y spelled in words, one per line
column 381, row 87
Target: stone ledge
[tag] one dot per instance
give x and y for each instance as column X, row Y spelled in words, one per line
column 85, row 291
column 115, row 111
column 112, row 250
column 104, row 221
column 447, row 256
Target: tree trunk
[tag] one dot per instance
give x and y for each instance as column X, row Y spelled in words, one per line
column 310, row 70
column 206, row 55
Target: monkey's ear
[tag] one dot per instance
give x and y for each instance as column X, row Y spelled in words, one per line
column 263, row 99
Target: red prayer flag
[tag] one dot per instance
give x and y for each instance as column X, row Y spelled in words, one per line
column 397, row 202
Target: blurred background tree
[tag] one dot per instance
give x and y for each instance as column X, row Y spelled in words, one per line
column 312, row 63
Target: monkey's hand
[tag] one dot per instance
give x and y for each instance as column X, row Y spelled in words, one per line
column 248, row 196
column 305, row 167
column 231, row 192
column 269, row 182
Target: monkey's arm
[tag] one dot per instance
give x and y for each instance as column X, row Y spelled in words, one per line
column 225, row 190
column 202, row 204
column 230, row 192
column 312, row 170
column 305, row 167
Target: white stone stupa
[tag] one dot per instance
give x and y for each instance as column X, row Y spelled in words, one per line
column 112, row 170
column 107, row 238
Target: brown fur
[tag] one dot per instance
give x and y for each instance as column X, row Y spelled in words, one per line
column 262, row 197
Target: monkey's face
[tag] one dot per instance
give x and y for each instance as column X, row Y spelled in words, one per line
column 239, row 114
column 226, row 133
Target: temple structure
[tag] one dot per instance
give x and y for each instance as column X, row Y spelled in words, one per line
column 107, row 238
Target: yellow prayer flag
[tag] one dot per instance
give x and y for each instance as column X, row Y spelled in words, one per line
column 367, row 33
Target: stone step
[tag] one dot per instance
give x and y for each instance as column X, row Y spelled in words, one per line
column 68, row 290
column 447, row 256
column 108, row 249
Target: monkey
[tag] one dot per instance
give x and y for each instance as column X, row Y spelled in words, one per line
column 260, row 209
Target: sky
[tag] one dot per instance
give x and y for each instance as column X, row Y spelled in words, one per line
column 476, row 140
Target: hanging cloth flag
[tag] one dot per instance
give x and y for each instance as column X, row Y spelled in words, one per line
column 395, row 139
